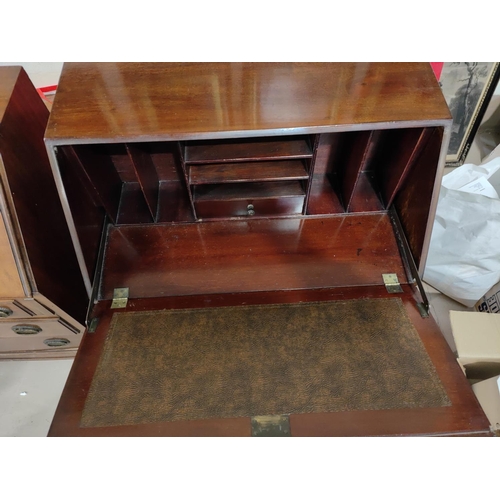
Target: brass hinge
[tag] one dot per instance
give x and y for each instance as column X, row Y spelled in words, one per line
column 271, row 426
column 120, row 298
column 391, row 283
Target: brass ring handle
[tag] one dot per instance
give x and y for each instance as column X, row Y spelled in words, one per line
column 5, row 312
column 56, row 342
column 26, row 329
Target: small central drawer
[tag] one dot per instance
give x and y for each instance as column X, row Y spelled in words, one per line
column 252, row 199
column 250, row 208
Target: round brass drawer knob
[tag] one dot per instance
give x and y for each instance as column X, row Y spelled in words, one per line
column 250, row 210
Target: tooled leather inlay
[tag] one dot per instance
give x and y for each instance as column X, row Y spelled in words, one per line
column 260, row 360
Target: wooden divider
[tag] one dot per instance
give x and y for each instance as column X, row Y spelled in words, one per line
column 401, row 148
column 345, row 172
column 146, row 175
column 103, row 180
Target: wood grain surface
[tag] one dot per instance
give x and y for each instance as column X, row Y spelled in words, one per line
column 247, row 172
column 113, row 102
column 413, row 200
column 250, row 255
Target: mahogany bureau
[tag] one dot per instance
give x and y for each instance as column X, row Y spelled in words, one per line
column 252, row 238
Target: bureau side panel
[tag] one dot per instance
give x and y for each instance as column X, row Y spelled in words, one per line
column 415, row 202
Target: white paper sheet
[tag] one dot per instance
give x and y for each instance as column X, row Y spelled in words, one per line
column 464, row 254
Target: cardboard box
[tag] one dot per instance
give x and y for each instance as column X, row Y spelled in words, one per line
column 477, row 337
column 488, row 394
column 490, row 302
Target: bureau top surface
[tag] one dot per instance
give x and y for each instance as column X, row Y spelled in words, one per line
column 113, row 102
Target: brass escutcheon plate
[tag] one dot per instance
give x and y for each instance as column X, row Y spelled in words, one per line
column 271, row 426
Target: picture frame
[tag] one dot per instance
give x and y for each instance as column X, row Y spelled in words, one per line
column 467, row 89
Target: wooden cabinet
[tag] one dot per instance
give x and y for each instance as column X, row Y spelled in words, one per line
column 265, row 230
column 42, row 294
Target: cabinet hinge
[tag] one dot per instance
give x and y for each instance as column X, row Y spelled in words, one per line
column 120, row 298
column 391, row 283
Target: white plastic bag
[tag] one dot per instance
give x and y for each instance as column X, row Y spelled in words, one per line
column 464, row 254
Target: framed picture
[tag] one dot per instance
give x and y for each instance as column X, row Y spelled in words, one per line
column 467, row 88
